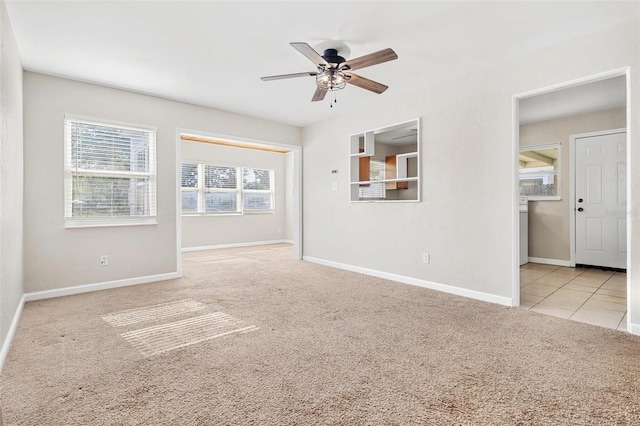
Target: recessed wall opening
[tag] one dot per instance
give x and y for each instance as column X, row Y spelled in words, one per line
column 236, row 192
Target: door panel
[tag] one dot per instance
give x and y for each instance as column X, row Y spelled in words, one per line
column 594, row 184
column 601, row 200
column 595, row 234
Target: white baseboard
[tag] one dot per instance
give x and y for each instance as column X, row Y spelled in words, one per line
column 555, row 262
column 633, row 328
column 12, row 330
column 68, row 291
column 222, row 246
column 458, row 291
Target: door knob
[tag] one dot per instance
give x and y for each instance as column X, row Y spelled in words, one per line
column 580, row 200
column 580, row 209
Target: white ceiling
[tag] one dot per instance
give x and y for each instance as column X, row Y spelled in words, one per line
column 590, row 97
column 213, row 53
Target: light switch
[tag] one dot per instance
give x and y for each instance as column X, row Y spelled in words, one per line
column 334, row 186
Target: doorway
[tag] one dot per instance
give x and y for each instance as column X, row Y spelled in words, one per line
column 550, row 272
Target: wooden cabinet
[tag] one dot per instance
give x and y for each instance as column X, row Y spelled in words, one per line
column 391, row 172
column 364, row 169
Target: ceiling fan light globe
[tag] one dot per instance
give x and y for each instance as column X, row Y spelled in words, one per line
column 331, row 79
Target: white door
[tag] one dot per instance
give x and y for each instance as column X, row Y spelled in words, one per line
column 601, row 200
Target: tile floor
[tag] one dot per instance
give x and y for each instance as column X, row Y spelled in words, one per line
column 585, row 295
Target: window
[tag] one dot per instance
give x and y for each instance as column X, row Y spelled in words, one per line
column 375, row 190
column 540, row 172
column 189, row 185
column 110, row 174
column 256, row 186
column 211, row 189
column 220, row 189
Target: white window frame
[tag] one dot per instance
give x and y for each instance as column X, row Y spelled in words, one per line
column 544, row 174
column 69, row 172
column 239, row 190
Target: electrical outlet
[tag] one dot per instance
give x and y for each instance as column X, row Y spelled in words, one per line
column 104, row 260
column 426, row 258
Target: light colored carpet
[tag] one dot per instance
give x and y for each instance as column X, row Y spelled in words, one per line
column 250, row 336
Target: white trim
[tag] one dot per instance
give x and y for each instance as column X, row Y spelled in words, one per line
column 223, row 246
column 458, row 291
column 113, row 123
column 87, row 288
column 576, row 82
column 572, row 185
column 515, row 204
column 633, row 327
column 109, row 222
column 544, row 261
column 178, row 184
column 572, row 202
column 6, row 345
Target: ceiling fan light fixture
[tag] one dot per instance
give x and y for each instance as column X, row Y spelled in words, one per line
column 331, row 79
column 334, row 72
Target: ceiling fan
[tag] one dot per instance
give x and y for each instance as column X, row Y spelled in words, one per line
column 334, row 72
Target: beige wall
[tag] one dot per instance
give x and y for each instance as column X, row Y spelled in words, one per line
column 56, row 257
column 549, row 220
column 203, row 231
column 11, row 180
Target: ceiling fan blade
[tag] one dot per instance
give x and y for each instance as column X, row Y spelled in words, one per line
column 311, row 54
column 379, row 57
column 365, row 83
column 282, row 76
column 319, row 94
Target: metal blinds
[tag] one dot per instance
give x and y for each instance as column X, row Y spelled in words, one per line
column 216, row 177
column 220, row 189
column 374, row 190
column 110, row 172
column 257, row 194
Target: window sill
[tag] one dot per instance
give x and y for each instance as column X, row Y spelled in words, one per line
column 539, row 198
column 108, row 223
column 211, row 214
column 245, row 213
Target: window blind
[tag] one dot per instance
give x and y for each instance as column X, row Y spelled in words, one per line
column 374, row 190
column 257, row 194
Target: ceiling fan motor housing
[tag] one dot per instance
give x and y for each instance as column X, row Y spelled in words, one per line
column 332, row 57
